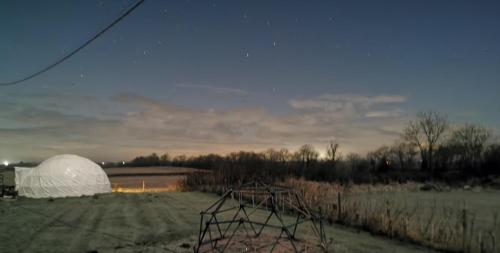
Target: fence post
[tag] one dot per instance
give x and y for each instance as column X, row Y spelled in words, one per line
column 464, row 229
column 283, row 202
column 339, row 207
column 253, row 199
column 389, row 225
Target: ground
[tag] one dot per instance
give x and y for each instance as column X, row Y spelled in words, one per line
column 118, row 222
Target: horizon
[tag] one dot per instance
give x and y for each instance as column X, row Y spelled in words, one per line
column 217, row 77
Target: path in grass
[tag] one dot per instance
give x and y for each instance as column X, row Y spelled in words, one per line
column 159, row 222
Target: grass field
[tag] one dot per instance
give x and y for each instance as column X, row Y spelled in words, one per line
column 151, row 222
column 484, row 205
column 455, row 220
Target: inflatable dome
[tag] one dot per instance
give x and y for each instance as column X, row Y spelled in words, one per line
column 62, row 176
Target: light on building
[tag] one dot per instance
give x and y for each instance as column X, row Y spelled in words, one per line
column 6, row 163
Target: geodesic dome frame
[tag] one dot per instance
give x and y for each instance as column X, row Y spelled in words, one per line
column 218, row 233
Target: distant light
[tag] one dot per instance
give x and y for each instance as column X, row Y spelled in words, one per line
column 6, row 163
column 102, row 163
column 123, row 163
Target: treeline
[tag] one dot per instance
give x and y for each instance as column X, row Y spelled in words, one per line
column 429, row 149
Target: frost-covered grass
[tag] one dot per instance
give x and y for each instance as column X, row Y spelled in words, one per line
column 150, row 222
column 454, row 220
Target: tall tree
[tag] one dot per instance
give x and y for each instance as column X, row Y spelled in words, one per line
column 491, row 163
column 272, row 155
column 379, row 159
column 307, row 155
column 426, row 132
column 284, row 155
column 164, row 159
column 332, row 152
column 403, row 155
column 469, row 141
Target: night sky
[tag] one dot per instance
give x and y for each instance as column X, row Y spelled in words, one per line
column 191, row 77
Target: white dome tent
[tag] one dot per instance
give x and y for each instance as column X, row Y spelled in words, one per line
column 62, row 176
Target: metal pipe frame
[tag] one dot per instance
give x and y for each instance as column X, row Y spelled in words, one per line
column 215, row 229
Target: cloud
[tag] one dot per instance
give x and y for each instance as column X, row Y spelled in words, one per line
column 343, row 102
column 334, row 107
column 214, row 89
column 131, row 124
column 383, row 114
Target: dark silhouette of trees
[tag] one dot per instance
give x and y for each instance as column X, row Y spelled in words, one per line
column 426, row 132
column 468, row 143
column 491, row 164
column 164, row 159
column 150, row 160
column 307, row 155
column 462, row 154
column 332, row 153
column 403, row 155
column 379, row 159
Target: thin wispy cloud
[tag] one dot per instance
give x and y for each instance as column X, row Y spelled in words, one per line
column 214, row 89
column 336, row 102
column 384, row 114
column 342, row 106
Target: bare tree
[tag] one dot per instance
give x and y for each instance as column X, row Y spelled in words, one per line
column 284, row 155
column 307, row 155
column 426, row 132
column 332, row 152
column 469, row 141
column 353, row 161
column 403, row 154
column 379, row 158
column 164, row 159
column 272, row 155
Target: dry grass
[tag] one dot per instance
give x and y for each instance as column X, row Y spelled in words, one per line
column 375, row 208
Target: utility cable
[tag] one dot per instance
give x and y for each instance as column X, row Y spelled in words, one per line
column 64, row 58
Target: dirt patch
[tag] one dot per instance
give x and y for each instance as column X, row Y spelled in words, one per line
column 242, row 242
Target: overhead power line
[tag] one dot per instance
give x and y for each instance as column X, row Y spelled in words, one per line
column 64, row 58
